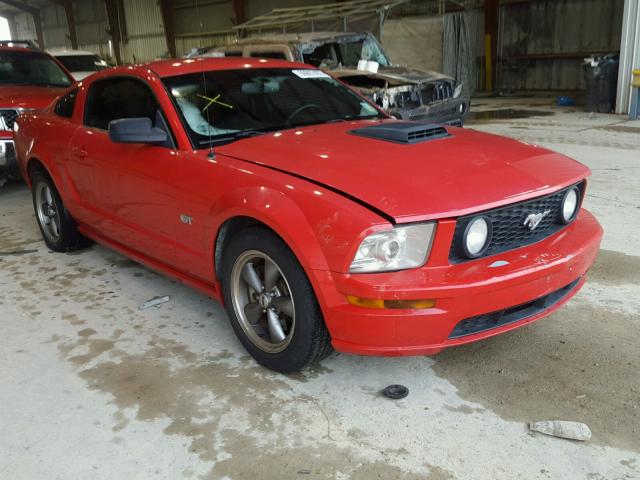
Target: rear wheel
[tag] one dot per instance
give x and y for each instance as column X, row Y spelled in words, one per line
column 56, row 225
column 271, row 304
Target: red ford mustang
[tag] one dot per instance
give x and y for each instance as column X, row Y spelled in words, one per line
column 317, row 220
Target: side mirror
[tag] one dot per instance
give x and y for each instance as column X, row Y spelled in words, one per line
column 135, row 130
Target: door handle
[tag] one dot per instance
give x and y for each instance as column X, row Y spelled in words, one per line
column 79, row 151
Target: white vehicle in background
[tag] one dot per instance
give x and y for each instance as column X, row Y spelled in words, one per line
column 80, row 63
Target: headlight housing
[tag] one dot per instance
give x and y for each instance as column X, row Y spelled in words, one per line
column 397, row 249
column 477, row 236
column 570, row 204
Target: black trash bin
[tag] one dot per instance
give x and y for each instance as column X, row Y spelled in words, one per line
column 601, row 81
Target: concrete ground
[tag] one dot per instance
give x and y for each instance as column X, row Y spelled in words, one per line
column 91, row 387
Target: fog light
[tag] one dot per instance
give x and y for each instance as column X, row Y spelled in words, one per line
column 394, row 304
column 477, row 236
column 570, row 205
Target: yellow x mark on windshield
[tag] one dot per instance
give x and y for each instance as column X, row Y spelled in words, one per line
column 214, row 100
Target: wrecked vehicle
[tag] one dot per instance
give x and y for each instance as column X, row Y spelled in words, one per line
column 358, row 60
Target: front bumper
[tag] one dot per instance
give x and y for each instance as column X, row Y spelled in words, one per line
column 8, row 162
column 447, row 112
column 527, row 284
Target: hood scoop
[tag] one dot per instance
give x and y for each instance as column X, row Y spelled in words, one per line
column 403, row 132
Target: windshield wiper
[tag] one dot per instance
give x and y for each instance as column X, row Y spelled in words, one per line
column 233, row 137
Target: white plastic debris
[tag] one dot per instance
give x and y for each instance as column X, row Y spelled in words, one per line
column 562, row 429
column 154, row 302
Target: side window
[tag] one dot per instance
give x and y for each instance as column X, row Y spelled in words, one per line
column 66, row 104
column 233, row 53
column 323, row 55
column 119, row 98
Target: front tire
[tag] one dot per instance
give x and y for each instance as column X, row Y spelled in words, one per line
column 56, row 225
column 271, row 303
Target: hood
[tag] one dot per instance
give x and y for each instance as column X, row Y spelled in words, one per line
column 395, row 75
column 467, row 172
column 28, row 96
column 81, row 75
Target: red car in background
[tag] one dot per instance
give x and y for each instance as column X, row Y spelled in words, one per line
column 29, row 79
column 318, row 220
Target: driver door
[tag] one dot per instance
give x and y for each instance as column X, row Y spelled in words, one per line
column 136, row 202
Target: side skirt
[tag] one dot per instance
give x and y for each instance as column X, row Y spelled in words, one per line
column 211, row 290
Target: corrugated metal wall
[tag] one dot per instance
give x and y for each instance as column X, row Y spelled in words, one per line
column 542, row 43
column 91, row 27
column 145, row 32
column 198, row 25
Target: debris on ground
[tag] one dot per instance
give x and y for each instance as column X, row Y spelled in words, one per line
column 17, row 252
column 154, row 302
column 395, row 392
column 562, row 429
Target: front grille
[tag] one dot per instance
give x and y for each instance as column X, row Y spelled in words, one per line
column 509, row 230
column 497, row 319
column 8, row 118
column 437, row 91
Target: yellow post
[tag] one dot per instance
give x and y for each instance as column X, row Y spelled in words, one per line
column 488, row 62
column 636, row 78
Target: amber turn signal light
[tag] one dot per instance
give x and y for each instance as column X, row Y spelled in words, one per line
column 379, row 303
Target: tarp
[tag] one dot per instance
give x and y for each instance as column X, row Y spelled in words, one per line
column 414, row 41
column 460, row 47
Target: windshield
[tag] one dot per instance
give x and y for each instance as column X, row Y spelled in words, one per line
column 221, row 106
column 31, row 68
column 82, row 63
column 345, row 53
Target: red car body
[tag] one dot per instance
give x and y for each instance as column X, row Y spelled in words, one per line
column 322, row 190
column 16, row 98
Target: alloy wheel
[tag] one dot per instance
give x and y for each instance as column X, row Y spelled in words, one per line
column 262, row 301
column 48, row 212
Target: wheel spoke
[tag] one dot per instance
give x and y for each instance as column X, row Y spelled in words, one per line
column 284, row 304
column 55, row 226
column 253, row 311
column 47, row 196
column 271, row 274
column 275, row 328
column 250, row 276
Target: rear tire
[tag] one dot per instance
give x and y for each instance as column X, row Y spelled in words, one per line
column 56, row 225
column 271, row 303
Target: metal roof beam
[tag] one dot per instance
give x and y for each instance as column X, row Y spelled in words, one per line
column 295, row 15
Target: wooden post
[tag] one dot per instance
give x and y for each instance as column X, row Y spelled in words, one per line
column 114, row 27
column 166, row 9
column 71, row 22
column 491, row 41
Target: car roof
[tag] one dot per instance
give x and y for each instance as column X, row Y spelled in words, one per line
column 175, row 66
column 62, row 52
column 19, row 49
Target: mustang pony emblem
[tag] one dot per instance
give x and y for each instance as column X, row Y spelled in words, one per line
column 534, row 219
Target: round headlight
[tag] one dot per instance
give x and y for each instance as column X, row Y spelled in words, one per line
column 477, row 236
column 570, row 205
